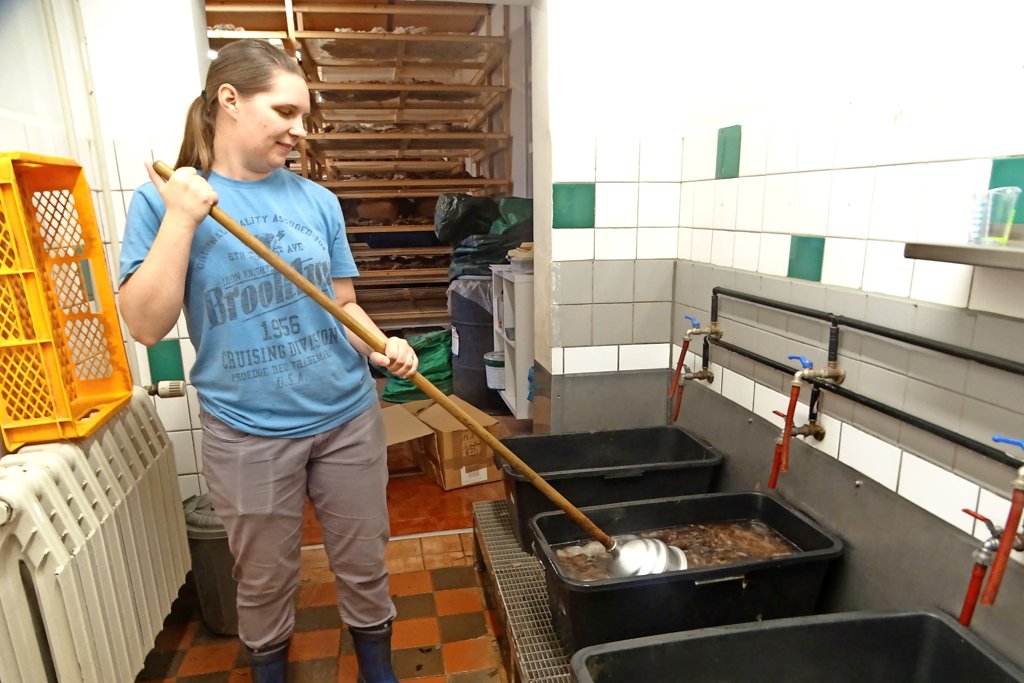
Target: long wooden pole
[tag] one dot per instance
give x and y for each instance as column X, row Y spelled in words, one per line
column 377, row 344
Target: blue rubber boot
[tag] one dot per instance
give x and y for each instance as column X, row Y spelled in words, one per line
column 373, row 652
column 270, row 664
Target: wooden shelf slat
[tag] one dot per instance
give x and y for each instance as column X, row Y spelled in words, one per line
column 450, row 9
column 401, row 251
column 386, row 194
column 400, row 37
column 407, row 87
column 404, row 276
column 368, row 229
column 439, row 184
column 239, row 35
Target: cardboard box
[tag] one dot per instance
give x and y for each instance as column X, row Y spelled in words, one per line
column 442, row 446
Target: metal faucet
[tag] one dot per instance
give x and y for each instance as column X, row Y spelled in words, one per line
column 682, row 372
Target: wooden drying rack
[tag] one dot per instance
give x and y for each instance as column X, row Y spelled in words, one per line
column 433, row 104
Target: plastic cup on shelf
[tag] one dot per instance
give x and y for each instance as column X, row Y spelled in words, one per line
column 1002, row 205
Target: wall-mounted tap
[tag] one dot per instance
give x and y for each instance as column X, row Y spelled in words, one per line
column 1009, row 538
column 982, row 558
column 807, row 373
column 704, row 374
column 812, row 428
column 675, row 388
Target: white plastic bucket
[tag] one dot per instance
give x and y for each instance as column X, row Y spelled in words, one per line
column 494, row 365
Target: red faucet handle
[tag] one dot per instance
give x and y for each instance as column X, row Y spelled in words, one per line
column 980, row 518
column 779, row 413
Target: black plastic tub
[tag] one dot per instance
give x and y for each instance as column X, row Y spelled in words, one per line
column 614, row 466
column 854, row 647
column 588, row 613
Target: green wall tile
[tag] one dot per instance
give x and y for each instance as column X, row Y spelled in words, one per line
column 728, row 161
column 573, row 205
column 165, row 361
column 1010, row 173
column 805, row 257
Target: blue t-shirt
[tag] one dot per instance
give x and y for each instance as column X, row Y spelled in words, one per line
column 269, row 359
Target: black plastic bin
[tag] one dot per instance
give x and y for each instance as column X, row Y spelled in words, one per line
column 588, row 613
column 614, row 466
column 473, row 327
column 854, row 647
column 212, row 565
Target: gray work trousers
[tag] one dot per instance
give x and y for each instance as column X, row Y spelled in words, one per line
column 258, row 486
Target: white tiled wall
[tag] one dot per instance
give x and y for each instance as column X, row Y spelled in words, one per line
column 933, row 488
column 867, row 176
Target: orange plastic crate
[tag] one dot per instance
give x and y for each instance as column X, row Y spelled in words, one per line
column 63, row 368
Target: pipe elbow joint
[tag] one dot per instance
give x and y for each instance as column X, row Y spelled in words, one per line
column 1018, row 483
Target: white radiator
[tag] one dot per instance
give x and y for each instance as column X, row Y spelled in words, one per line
column 92, row 551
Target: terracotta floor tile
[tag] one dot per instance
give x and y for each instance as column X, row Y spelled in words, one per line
column 317, row 618
column 448, row 543
column 317, row 575
column 432, row 679
column 313, row 557
column 317, row 594
column 315, row 645
column 203, row 659
column 402, row 565
column 313, row 670
column 440, row 561
column 415, row 633
column 458, row 601
column 159, row 664
column 241, row 675
column 453, row 577
column 415, row 606
column 411, row 583
column 462, row 626
column 468, row 546
column 470, row 655
column 173, row 635
column 481, row 676
column 348, row 668
column 406, row 547
column 415, row 664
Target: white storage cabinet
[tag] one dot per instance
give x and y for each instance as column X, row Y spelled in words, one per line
column 512, row 299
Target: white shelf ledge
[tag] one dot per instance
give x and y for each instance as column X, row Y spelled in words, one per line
column 1009, row 258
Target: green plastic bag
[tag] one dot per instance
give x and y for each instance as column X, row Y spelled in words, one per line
column 435, row 353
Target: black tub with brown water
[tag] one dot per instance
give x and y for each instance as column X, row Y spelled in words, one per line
column 591, row 612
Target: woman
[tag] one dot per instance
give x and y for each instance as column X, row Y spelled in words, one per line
column 288, row 407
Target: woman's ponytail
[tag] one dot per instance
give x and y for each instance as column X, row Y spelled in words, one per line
column 197, row 143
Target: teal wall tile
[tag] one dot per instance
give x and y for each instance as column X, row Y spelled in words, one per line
column 165, row 361
column 1009, row 172
column 728, row 162
column 573, row 205
column 805, row 257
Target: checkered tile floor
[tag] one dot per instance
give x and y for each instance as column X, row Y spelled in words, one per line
column 443, row 633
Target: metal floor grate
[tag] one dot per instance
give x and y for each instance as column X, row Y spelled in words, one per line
column 518, row 578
